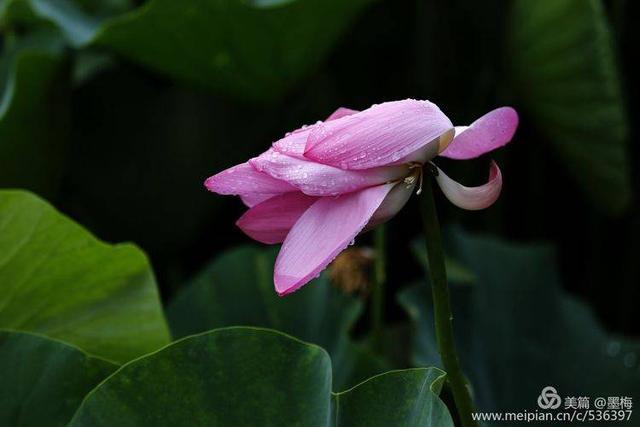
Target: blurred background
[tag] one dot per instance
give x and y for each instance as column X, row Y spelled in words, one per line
column 117, row 110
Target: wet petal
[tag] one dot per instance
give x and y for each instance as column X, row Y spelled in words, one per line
column 250, row 184
column 317, row 179
column 472, row 198
column 321, row 233
column 252, row 199
column 491, row 131
column 340, row 113
column 381, row 135
column 293, row 144
column 270, row 221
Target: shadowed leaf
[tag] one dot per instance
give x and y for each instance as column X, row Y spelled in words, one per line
column 248, row 377
column 254, row 49
column 517, row 331
column 564, row 70
column 43, row 380
column 237, row 289
column 33, row 114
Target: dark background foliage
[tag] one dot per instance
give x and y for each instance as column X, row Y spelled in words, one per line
column 131, row 132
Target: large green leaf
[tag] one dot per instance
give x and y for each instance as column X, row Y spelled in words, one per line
column 237, row 289
column 564, row 70
column 43, row 380
column 249, row 377
column 33, row 114
column 58, row 280
column 256, row 49
column 519, row 332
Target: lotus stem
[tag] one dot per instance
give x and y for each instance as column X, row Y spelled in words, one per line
column 443, row 317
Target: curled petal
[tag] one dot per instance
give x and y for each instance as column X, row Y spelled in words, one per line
column 321, row 233
column 293, row 144
column 491, row 131
column 381, row 135
column 317, row 179
column 391, row 205
column 431, row 150
column 472, row 198
column 250, row 184
column 270, row 221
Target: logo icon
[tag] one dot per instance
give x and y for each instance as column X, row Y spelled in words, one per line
column 549, row 398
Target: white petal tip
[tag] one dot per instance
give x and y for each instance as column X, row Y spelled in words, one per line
column 472, row 198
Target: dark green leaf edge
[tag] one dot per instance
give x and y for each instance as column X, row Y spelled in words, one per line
column 435, row 387
column 333, row 314
column 88, row 355
column 33, row 88
column 261, row 83
column 48, row 384
column 10, row 87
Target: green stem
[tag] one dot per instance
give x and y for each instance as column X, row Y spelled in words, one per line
column 379, row 278
column 442, row 307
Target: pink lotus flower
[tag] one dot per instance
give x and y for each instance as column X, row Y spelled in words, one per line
column 320, row 186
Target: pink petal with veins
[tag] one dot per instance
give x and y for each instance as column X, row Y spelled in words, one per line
column 250, row 184
column 381, row 135
column 270, row 221
column 293, row 144
column 317, row 179
column 491, row 131
column 340, row 113
column 321, row 233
